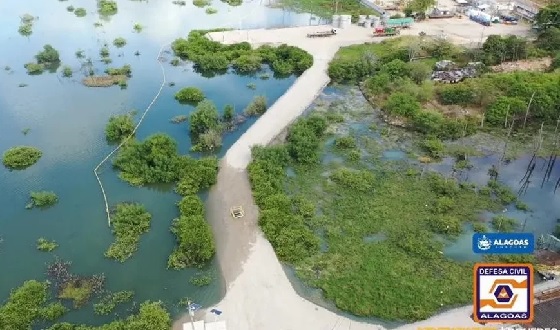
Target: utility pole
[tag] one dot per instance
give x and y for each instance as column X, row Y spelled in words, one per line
column 335, row 7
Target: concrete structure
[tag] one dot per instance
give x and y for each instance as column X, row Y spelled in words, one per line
column 201, row 325
column 218, row 325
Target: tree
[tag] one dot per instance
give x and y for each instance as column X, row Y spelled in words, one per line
column 549, row 39
column 204, row 118
column 49, row 55
column 418, row 71
column 548, row 17
column 119, row 127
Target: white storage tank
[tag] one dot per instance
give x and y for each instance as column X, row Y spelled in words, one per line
column 336, row 21
column 345, row 21
column 362, row 19
column 367, row 23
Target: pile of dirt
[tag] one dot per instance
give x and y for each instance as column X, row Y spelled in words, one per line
column 539, row 64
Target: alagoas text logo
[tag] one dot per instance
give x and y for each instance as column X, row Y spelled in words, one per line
column 503, row 243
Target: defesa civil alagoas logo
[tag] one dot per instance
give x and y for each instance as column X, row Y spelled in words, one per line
column 503, row 293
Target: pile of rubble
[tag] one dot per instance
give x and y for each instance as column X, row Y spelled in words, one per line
column 448, row 72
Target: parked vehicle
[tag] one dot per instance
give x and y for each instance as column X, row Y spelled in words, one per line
column 385, row 32
column 320, row 34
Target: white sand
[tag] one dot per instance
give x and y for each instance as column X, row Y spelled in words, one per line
column 259, row 295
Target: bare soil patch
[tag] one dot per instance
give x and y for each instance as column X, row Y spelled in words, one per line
column 540, row 64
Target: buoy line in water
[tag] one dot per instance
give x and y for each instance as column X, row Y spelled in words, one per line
column 129, row 136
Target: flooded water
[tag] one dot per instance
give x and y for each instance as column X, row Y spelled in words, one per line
column 66, row 121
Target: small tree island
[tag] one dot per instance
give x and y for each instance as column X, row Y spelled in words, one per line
column 21, row 157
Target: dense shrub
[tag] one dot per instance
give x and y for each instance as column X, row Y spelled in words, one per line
column 402, row 104
column 214, row 57
column 42, row 199
column 34, row 68
column 129, row 221
column 49, row 55
column 189, row 95
column 195, row 242
column 281, row 219
column 21, row 157
column 504, row 107
column 27, row 305
column 345, row 142
column 204, row 118
column 119, row 127
column 504, row 224
column 356, row 180
column 155, row 160
column 304, row 137
column 434, row 147
column 107, row 7
column 256, row 107
column 456, row 94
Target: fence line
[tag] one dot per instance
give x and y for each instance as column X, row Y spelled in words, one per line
column 129, row 136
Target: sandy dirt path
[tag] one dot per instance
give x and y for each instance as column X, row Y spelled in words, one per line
column 259, row 295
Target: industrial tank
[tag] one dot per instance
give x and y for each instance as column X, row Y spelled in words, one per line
column 336, row 21
column 345, row 21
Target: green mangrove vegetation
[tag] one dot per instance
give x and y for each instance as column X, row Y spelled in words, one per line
column 21, row 157
column 214, row 58
column 211, row 11
column 119, row 127
column 67, row 71
column 233, row 3
column 29, row 304
column 107, row 7
column 190, row 95
column 201, row 3
column 201, row 279
column 26, row 25
column 42, row 199
column 195, row 242
column 137, row 27
column 47, row 58
column 119, row 42
column 45, row 245
column 346, row 224
column 155, row 160
column 80, row 12
column 257, row 106
column 111, row 300
column 151, row 315
column 128, row 222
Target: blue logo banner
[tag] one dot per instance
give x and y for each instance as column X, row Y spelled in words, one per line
column 506, row 243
